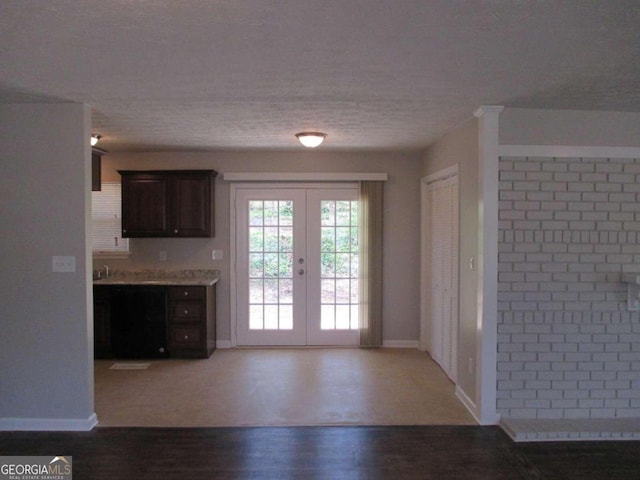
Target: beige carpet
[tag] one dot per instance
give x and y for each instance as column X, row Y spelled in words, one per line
column 260, row 387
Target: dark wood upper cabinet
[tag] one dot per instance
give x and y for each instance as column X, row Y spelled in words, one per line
column 168, row 203
column 96, row 169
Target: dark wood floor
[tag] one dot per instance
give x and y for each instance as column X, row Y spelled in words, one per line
column 462, row 452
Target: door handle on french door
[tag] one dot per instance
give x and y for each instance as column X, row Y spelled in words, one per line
column 301, row 261
column 301, row 272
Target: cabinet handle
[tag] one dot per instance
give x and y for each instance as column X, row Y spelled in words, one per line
column 186, row 294
column 175, row 230
column 186, row 337
column 186, row 312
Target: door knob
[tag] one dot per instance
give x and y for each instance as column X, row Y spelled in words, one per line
column 301, row 272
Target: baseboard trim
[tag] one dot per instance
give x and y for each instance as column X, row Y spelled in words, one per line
column 571, row 430
column 49, row 424
column 400, row 344
column 222, row 344
column 467, row 402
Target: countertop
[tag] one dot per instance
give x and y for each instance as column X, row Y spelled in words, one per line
column 160, row 277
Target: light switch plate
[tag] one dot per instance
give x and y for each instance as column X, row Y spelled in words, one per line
column 216, row 255
column 63, row 264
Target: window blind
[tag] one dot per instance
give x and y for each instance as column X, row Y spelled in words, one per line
column 106, row 213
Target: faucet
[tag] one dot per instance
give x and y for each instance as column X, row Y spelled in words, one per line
column 106, row 271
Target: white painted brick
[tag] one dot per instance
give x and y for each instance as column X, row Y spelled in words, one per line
column 566, row 176
column 560, row 385
column 580, row 187
column 564, row 366
column 581, row 298
column 590, row 403
column 602, row 413
column 622, row 197
column 585, row 375
column 523, row 412
column 604, row 357
column 628, row 412
column 621, row 178
column 577, row 413
column 550, row 357
column 527, row 166
column 540, row 176
column 550, row 375
column 510, row 403
column 511, row 175
column 566, row 348
column 567, row 196
column 550, row 414
column 510, row 385
column 593, row 177
column 617, row 366
column 604, row 394
column 590, row 366
column 537, row 403
column 617, row 403
column 609, row 167
column 522, row 375
column 581, row 167
column 577, row 357
column 540, row 196
column 554, row 166
column 552, row 186
column 564, row 403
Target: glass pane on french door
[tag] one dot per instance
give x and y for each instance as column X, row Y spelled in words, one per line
column 333, row 288
column 297, row 266
column 270, row 236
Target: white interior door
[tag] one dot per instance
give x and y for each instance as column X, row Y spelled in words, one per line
column 296, row 266
column 441, row 288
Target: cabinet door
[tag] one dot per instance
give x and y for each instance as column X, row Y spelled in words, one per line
column 101, row 323
column 144, row 205
column 191, row 205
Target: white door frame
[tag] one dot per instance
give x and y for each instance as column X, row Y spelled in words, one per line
column 234, row 187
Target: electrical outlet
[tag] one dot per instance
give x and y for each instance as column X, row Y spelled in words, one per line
column 470, row 365
column 216, row 255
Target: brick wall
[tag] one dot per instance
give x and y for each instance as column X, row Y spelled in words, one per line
column 567, row 346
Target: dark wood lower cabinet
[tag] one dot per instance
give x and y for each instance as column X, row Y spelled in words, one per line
column 101, row 323
column 192, row 332
column 133, row 321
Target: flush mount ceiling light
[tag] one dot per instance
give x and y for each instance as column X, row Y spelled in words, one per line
column 311, row 139
column 94, row 139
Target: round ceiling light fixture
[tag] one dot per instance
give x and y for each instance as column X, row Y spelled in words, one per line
column 311, row 139
column 94, row 139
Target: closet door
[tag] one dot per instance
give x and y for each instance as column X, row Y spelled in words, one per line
column 442, row 274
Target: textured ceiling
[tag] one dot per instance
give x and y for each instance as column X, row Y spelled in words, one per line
column 373, row 74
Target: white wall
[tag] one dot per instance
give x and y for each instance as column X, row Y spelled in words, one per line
column 401, row 221
column 46, row 344
column 461, row 147
column 520, row 126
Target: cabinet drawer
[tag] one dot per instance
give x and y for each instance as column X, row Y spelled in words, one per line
column 191, row 293
column 185, row 337
column 186, row 310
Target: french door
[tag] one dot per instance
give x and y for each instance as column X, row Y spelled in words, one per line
column 296, row 265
